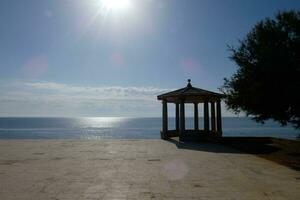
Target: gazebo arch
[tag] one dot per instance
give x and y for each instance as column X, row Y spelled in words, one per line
column 196, row 96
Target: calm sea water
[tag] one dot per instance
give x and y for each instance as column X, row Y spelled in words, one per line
column 125, row 128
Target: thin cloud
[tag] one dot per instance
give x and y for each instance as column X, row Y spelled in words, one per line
column 57, row 99
column 106, row 92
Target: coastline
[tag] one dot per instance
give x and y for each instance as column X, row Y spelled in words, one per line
column 138, row 169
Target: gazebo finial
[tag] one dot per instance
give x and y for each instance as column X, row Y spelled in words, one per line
column 189, row 85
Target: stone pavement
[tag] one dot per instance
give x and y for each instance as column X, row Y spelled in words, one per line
column 138, row 169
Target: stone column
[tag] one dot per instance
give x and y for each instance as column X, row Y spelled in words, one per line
column 177, row 117
column 196, row 119
column 206, row 117
column 165, row 119
column 213, row 116
column 219, row 118
column 182, row 120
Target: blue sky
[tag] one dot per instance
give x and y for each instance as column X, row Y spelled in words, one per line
column 78, row 58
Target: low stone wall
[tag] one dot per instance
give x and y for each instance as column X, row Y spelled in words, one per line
column 190, row 135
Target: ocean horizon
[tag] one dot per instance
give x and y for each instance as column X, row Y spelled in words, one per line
column 95, row 128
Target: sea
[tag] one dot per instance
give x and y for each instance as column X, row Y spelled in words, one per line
column 97, row 128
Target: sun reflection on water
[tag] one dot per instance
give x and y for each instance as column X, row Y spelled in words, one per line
column 101, row 122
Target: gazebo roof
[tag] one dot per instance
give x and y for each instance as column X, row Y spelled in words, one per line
column 190, row 94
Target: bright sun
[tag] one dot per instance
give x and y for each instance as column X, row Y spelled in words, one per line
column 116, row 4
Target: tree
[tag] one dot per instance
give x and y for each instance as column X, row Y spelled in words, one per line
column 266, row 84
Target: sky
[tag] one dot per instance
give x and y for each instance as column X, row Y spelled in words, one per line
column 94, row 58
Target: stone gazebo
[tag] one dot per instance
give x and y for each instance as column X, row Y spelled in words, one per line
column 193, row 95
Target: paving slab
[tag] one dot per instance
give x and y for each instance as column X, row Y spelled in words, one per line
column 137, row 170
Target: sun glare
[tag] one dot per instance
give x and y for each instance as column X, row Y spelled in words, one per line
column 116, row 4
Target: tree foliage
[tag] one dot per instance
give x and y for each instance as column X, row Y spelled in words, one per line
column 267, row 82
